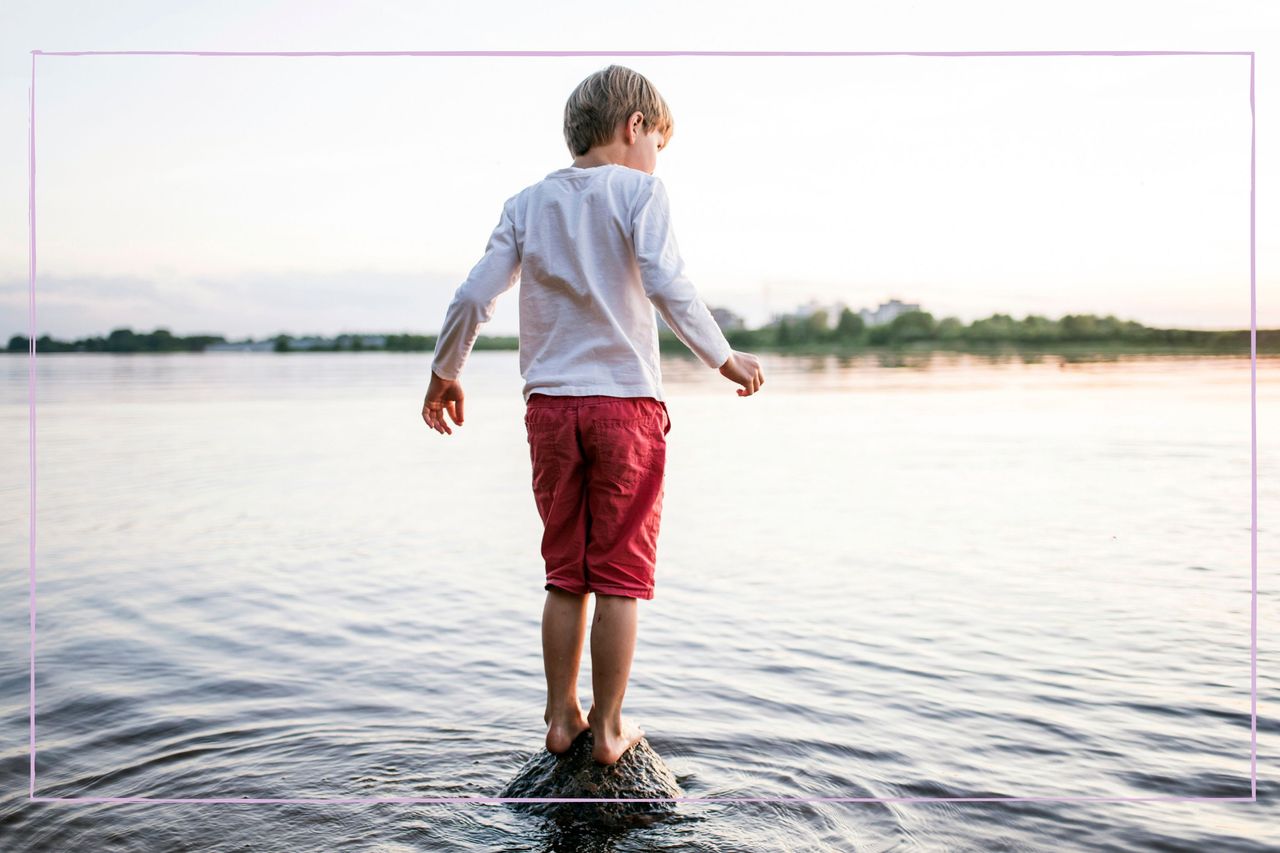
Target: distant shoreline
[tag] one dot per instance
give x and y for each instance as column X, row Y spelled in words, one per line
column 676, row 348
column 810, row 334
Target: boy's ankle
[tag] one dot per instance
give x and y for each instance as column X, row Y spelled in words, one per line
column 564, row 712
column 611, row 722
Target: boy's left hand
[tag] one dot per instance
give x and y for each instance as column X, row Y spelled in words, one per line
column 443, row 395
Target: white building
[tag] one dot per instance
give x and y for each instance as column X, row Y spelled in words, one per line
column 242, row 346
column 345, row 341
column 886, row 312
column 810, row 308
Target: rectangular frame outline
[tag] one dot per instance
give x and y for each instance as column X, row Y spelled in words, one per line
column 1253, row 358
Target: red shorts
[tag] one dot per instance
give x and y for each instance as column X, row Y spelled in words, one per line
column 598, row 467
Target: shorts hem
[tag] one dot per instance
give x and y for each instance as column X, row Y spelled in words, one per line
column 645, row 594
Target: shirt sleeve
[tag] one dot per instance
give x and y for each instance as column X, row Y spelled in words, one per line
column 473, row 302
column 665, row 283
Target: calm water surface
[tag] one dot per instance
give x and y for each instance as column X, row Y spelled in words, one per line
column 262, row 576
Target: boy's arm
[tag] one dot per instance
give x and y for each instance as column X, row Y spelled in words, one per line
column 665, row 282
column 473, row 302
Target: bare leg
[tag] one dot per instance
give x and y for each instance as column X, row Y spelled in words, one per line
column 564, row 626
column 613, row 643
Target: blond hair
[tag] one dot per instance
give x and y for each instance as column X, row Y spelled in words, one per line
column 605, row 99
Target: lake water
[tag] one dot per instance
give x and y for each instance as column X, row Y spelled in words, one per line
column 943, row 576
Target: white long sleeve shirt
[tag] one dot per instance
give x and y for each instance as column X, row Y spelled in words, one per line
column 594, row 253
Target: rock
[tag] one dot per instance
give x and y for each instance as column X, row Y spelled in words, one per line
column 640, row 773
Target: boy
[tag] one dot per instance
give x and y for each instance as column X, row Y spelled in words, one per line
column 593, row 249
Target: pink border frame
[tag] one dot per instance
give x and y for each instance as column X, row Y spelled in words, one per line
column 1253, row 378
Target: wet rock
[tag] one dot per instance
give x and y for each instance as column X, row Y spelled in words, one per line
column 639, row 774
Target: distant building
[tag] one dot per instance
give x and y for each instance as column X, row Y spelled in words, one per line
column 242, row 346
column 345, row 341
column 886, row 312
column 813, row 306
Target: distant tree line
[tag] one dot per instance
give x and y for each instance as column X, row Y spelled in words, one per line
column 920, row 327
column 911, row 328
column 162, row 340
column 120, row 340
column 427, row 343
column 393, row 343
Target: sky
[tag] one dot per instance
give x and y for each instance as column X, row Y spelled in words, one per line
column 253, row 196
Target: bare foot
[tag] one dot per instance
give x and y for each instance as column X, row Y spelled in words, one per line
column 562, row 731
column 611, row 743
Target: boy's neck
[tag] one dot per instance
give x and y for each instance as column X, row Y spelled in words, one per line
column 615, row 153
column 589, row 160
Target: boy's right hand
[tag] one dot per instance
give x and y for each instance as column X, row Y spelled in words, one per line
column 443, row 395
column 743, row 368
